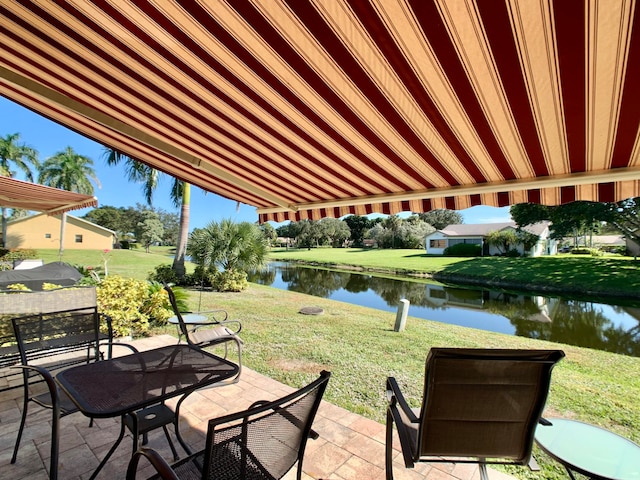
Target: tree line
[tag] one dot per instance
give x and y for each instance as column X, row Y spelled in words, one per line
column 390, row 232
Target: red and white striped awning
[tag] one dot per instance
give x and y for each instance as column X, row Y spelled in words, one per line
column 311, row 108
column 32, row 196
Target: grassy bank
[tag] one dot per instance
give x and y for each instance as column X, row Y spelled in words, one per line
column 611, row 276
column 359, row 346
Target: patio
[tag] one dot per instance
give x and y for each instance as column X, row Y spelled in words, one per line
column 349, row 447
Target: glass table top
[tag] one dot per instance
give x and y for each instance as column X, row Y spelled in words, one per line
column 590, row 450
column 190, row 318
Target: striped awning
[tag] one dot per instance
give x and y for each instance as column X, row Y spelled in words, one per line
column 312, row 108
column 32, row 196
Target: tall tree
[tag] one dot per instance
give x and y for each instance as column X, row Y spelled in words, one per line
column 358, row 225
column 70, row 171
column 150, row 229
column 14, row 154
column 138, row 172
column 441, row 218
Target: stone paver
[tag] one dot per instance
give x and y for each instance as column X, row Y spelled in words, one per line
column 350, row 446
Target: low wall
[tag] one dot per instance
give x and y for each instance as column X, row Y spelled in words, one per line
column 26, row 303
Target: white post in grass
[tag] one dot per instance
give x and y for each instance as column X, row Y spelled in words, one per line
column 401, row 316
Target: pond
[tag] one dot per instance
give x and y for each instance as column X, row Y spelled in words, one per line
column 613, row 328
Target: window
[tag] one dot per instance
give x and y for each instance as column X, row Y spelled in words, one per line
column 472, row 241
column 438, row 243
column 47, row 235
column 78, row 238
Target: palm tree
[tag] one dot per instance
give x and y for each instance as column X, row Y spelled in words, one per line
column 138, row 172
column 229, row 245
column 13, row 153
column 70, row 171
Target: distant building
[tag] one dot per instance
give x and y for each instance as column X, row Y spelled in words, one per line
column 438, row 241
column 43, row 231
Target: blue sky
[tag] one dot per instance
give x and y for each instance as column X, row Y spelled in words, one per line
column 48, row 138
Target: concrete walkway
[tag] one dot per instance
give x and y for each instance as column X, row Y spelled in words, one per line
column 350, row 446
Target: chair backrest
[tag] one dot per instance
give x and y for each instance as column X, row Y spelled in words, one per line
column 174, row 305
column 484, row 403
column 57, row 340
column 20, row 303
column 265, row 441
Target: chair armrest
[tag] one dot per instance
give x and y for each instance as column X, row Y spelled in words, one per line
column 215, row 314
column 234, row 325
column 236, row 328
column 159, row 464
column 396, row 403
column 395, row 397
column 126, row 345
column 48, row 378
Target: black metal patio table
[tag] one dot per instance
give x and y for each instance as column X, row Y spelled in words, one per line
column 124, row 385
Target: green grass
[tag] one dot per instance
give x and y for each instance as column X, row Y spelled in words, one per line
column 128, row 263
column 387, row 259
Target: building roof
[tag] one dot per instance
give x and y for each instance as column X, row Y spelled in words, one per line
column 483, row 229
column 307, row 109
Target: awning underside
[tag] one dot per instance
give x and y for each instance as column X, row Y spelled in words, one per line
column 32, row 196
column 307, row 109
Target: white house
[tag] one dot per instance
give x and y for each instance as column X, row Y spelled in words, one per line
column 436, row 242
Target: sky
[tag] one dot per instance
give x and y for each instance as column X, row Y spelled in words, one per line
column 49, row 138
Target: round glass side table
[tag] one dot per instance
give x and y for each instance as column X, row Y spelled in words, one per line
column 589, row 450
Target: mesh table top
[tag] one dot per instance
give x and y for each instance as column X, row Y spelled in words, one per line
column 114, row 387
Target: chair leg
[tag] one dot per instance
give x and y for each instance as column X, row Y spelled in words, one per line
column 483, row 471
column 25, row 405
column 55, row 441
column 170, row 442
column 388, row 449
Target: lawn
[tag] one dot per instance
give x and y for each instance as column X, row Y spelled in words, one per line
column 398, row 261
column 128, row 263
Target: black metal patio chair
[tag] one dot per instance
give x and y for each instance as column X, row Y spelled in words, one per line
column 261, row 443
column 209, row 331
column 50, row 342
column 479, row 406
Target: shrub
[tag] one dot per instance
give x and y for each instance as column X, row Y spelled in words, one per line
column 123, row 300
column 163, row 274
column 157, row 305
column 18, row 287
column 463, row 250
column 9, row 255
column 199, row 278
column 229, row 281
column 512, row 253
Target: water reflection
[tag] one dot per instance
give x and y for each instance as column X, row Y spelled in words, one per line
column 587, row 324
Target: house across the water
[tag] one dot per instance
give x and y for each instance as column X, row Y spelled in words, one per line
column 439, row 240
